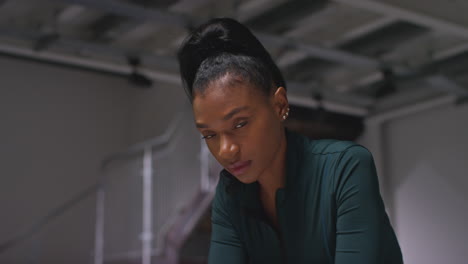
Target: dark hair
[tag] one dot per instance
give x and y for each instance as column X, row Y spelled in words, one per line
column 221, row 46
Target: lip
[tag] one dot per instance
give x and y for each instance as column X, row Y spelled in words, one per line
column 240, row 167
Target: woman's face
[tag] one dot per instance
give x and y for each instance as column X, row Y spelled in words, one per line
column 241, row 125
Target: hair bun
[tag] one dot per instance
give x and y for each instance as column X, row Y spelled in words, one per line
column 221, row 35
column 216, row 36
column 215, row 40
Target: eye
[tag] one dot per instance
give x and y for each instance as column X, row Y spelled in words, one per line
column 241, row 124
column 207, row 136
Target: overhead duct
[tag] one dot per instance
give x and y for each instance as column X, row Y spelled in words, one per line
column 318, row 123
column 279, row 18
column 135, row 76
column 377, row 43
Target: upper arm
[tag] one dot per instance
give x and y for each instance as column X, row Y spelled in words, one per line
column 362, row 228
column 225, row 246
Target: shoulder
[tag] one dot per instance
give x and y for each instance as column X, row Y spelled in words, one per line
column 328, row 146
column 331, row 146
column 317, row 153
column 332, row 154
column 340, row 153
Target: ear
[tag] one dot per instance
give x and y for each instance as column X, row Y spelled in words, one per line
column 280, row 103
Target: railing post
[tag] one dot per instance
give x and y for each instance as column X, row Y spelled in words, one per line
column 147, row 234
column 99, row 236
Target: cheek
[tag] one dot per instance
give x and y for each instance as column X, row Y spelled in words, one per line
column 270, row 127
column 212, row 147
column 266, row 139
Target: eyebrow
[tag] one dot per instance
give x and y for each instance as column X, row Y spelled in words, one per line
column 227, row 116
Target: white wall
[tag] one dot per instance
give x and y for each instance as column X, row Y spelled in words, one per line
column 154, row 109
column 57, row 125
column 426, row 169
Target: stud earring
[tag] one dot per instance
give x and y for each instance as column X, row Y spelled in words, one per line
column 286, row 114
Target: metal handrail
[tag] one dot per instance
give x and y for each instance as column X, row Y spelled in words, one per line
column 160, row 141
column 176, row 231
column 157, row 142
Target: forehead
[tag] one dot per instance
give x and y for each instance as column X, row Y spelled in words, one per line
column 226, row 93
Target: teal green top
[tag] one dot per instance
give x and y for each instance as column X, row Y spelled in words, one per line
column 330, row 211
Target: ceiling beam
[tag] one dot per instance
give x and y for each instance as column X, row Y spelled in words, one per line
column 137, row 31
column 301, row 94
column 450, row 52
column 70, row 13
column 329, row 105
column 255, row 8
column 134, row 11
column 290, row 58
column 329, row 102
column 140, row 13
column 409, row 15
column 310, row 89
column 88, row 63
column 349, row 83
column 87, row 48
column 445, row 84
column 185, row 6
column 324, row 53
column 432, row 86
column 315, row 21
column 365, row 29
column 411, row 108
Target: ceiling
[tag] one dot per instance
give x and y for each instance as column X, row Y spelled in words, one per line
column 358, row 57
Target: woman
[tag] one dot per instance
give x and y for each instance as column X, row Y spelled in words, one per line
column 281, row 198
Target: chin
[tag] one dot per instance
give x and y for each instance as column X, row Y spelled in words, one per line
column 246, row 179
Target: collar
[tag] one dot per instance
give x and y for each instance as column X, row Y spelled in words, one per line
column 247, row 194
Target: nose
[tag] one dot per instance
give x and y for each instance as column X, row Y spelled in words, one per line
column 228, row 149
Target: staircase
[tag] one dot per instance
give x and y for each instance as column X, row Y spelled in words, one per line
column 152, row 203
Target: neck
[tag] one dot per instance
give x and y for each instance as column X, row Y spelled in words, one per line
column 275, row 176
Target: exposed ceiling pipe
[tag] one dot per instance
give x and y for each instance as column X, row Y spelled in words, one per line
column 134, row 11
column 412, row 109
column 139, row 13
column 365, row 29
column 409, row 15
column 165, row 77
column 88, row 63
column 443, row 83
column 421, row 72
column 329, row 54
column 310, row 102
column 84, row 47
